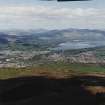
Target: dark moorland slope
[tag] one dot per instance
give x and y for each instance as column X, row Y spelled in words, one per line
column 39, row 90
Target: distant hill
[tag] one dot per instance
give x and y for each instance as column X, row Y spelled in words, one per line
column 49, row 39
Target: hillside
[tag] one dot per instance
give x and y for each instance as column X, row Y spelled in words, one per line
column 54, row 84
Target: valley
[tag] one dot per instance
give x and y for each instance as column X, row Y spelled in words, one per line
column 28, row 48
column 52, row 67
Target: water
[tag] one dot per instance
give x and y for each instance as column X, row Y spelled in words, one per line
column 79, row 45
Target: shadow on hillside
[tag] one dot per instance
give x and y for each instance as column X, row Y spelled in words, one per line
column 46, row 91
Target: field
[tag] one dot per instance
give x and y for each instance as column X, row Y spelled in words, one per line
column 58, row 69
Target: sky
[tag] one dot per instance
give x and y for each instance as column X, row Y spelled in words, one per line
column 37, row 14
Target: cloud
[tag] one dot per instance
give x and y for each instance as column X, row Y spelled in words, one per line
column 30, row 16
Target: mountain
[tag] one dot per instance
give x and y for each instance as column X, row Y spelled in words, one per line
column 54, row 39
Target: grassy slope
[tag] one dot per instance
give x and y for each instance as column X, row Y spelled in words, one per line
column 83, row 88
column 53, row 69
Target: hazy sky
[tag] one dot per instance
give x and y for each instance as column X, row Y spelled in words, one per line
column 35, row 14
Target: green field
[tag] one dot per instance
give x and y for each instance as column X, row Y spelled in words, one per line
column 52, row 69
